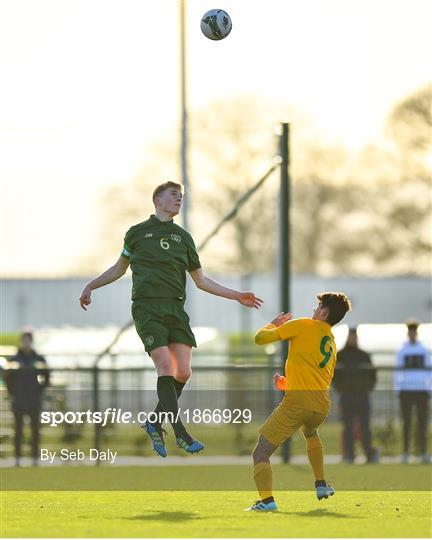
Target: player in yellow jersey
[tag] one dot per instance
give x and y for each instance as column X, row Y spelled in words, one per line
column 308, row 373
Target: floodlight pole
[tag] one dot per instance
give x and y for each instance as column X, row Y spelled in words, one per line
column 184, row 137
column 184, row 117
column 284, row 249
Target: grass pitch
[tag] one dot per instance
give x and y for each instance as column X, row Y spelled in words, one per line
column 198, row 477
column 363, row 512
column 209, row 514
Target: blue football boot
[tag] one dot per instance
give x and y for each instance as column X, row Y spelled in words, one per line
column 191, row 446
column 156, row 436
column 324, row 492
column 260, row 506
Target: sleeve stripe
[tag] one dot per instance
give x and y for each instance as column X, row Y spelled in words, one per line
column 125, row 253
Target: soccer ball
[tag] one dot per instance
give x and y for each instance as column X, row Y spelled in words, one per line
column 216, row 24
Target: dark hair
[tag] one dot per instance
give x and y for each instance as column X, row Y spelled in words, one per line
column 166, row 185
column 26, row 335
column 337, row 303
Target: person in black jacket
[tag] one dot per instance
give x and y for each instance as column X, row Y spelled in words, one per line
column 354, row 378
column 26, row 376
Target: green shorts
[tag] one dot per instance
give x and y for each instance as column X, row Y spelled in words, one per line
column 161, row 321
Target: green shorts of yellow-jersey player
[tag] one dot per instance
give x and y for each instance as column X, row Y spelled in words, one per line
column 161, row 321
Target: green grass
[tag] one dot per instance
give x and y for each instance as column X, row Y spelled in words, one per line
column 209, row 514
column 212, row 477
column 11, row 339
column 79, row 501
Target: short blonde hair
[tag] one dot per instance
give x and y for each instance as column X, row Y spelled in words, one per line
column 412, row 324
column 163, row 187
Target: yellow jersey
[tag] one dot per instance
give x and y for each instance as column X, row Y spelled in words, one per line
column 311, row 361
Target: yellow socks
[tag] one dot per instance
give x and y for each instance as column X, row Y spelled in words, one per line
column 316, row 455
column 263, row 476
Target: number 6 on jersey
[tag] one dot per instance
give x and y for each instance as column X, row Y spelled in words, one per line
column 164, row 243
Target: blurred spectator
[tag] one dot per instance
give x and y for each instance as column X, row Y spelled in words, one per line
column 412, row 380
column 26, row 376
column 354, row 378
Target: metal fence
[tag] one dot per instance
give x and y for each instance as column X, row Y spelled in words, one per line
column 244, row 382
column 245, row 374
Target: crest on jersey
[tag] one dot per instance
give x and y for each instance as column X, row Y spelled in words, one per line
column 149, row 340
column 176, row 238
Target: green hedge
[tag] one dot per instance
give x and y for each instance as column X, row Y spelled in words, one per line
column 10, row 339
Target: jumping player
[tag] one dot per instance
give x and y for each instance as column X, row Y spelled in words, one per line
column 159, row 253
column 308, row 373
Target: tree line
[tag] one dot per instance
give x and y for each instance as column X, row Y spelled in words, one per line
column 366, row 213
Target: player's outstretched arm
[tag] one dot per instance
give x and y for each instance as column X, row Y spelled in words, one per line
column 211, row 286
column 112, row 274
column 270, row 333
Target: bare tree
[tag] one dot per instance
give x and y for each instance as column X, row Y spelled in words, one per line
column 367, row 214
column 322, row 198
column 234, row 145
column 400, row 237
column 410, row 123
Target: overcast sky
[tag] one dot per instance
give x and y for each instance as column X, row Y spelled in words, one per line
column 87, row 85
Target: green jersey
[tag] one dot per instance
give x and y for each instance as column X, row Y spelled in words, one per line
column 160, row 253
